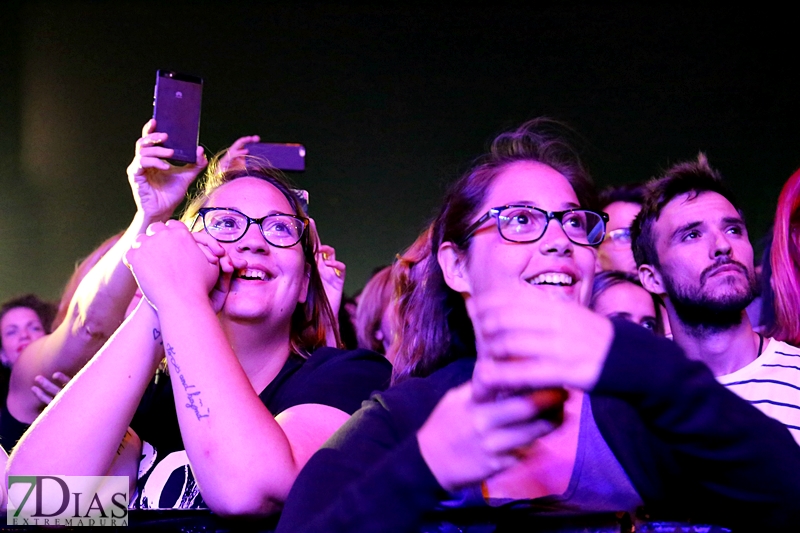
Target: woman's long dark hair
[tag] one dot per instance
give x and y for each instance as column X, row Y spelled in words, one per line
column 311, row 318
column 436, row 328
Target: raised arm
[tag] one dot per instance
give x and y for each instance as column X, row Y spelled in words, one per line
column 100, row 301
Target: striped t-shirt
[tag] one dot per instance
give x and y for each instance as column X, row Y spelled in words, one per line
column 772, row 383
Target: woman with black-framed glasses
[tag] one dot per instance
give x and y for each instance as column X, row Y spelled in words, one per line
column 235, row 307
column 509, row 392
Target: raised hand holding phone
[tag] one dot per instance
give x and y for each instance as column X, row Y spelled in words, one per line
column 158, row 187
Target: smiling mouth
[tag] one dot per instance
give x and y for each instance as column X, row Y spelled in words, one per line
column 558, row 279
column 252, row 274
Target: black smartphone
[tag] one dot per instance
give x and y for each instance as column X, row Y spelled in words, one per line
column 281, row 156
column 176, row 108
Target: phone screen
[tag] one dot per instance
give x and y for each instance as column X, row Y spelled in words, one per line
column 176, row 108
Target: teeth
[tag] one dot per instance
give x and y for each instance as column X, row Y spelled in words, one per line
column 552, row 278
column 252, row 273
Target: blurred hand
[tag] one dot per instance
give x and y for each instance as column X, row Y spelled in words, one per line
column 525, row 345
column 47, row 389
column 233, row 157
column 157, row 186
column 465, row 441
column 331, row 271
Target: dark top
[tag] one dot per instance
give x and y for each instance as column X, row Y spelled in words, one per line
column 11, row 429
column 340, row 379
column 691, row 448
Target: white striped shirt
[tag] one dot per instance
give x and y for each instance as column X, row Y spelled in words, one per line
column 772, row 383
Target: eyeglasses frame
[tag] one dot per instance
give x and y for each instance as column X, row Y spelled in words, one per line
column 203, row 210
column 550, row 215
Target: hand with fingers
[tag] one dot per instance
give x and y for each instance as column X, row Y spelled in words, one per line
column 331, row 271
column 170, row 266
column 157, row 186
column 525, row 345
column 233, row 158
column 47, row 389
column 215, row 254
column 465, row 441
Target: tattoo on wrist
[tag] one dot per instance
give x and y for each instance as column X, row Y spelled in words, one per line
column 195, row 403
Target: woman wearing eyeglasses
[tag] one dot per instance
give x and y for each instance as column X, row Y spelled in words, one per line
column 497, row 346
column 235, row 305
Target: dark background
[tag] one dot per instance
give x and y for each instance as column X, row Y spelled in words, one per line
column 391, row 102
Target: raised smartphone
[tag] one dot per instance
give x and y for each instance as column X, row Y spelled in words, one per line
column 176, row 108
column 281, row 156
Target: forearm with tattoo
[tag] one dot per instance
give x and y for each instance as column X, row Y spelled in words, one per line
column 193, row 399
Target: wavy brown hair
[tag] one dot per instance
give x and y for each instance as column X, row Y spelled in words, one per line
column 310, row 319
column 435, row 326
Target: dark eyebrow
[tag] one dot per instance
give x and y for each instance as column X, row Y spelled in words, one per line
column 733, row 220
column 686, row 227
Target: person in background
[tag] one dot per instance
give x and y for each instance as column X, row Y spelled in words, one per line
column 620, row 295
column 23, row 320
column 691, row 244
column 785, row 263
column 621, row 203
column 374, row 322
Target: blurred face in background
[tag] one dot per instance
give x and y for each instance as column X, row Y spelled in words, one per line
column 627, row 301
column 19, row 327
column 615, row 251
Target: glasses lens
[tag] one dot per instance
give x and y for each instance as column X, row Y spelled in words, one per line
column 521, row 224
column 282, row 230
column 583, row 227
column 621, row 237
column 225, row 225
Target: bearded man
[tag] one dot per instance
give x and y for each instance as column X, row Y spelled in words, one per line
column 691, row 248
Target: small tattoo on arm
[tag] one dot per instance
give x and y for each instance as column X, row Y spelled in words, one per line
column 195, row 403
column 157, row 336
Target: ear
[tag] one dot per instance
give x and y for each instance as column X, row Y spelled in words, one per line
column 4, row 358
column 651, row 279
column 453, row 264
column 301, row 299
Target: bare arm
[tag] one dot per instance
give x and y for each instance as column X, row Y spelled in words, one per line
column 80, row 432
column 99, row 304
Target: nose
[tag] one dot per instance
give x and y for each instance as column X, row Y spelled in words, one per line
column 253, row 241
column 721, row 245
column 554, row 240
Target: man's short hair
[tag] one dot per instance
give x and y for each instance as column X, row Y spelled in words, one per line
column 693, row 177
column 631, row 193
